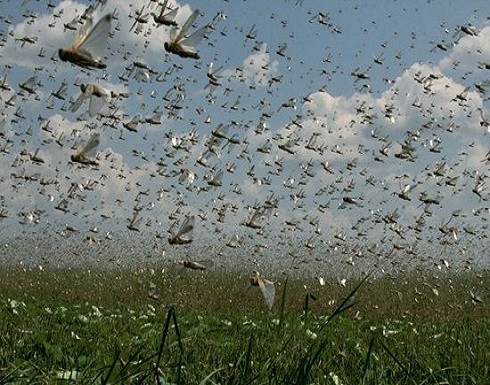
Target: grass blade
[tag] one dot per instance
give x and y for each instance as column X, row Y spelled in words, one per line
column 368, row 359
column 106, row 378
column 162, row 342
column 283, row 302
column 208, row 377
column 394, row 358
column 303, row 370
column 171, row 316
column 347, row 303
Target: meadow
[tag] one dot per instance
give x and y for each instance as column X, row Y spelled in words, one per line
column 176, row 326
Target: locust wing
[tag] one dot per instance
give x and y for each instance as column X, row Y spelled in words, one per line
column 189, row 43
column 94, row 42
column 268, row 290
column 187, row 25
column 85, row 155
column 184, row 234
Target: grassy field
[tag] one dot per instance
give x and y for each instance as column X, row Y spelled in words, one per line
column 97, row 327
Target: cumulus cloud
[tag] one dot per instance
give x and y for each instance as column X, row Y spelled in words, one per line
column 468, row 53
column 257, row 69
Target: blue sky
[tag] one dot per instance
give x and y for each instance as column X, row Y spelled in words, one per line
column 354, row 77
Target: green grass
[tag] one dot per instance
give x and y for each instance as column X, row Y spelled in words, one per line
column 97, row 327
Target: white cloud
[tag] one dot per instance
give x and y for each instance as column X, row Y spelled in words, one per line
column 468, row 52
column 257, row 69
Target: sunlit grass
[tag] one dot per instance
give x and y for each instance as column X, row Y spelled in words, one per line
column 207, row 327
